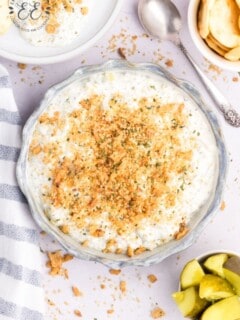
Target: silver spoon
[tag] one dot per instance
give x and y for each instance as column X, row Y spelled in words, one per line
column 162, row 19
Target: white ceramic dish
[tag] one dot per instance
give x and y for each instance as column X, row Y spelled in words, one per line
column 202, row 46
column 14, row 47
column 197, row 223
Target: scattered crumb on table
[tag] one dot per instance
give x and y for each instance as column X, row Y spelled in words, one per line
column 123, row 286
column 55, row 262
column 223, row 206
column 157, row 313
column 77, row 313
column 214, row 68
column 169, row 63
column 152, row 278
column 50, row 302
column 76, row 291
column 22, row 66
column 122, row 53
column 114, row 271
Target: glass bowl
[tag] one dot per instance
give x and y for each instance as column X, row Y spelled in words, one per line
column 199, row 220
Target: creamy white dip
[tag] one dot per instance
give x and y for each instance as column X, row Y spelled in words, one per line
column 59, row 28
column 160, row 183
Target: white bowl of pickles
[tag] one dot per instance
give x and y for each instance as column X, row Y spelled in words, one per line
column 209, row 287
column 214, row 26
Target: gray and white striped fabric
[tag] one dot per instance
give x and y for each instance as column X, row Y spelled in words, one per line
column 21, row 293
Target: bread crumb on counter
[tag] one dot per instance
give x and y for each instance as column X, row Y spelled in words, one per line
column 122, row 53
column 55, row 262
column 110, row 311
column 115, row 271
column 157, row 313
column 77, row 313
column 76, row 291
column 223, row 206
column 169, row 63
column 152, row 278
column 123, row 286
column 50, row 302
column 213, row 67
column 125, row 44
column 183, row 230
column 21, row 66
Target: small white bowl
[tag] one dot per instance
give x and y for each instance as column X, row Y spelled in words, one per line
column 202, row 46
column 14, row 47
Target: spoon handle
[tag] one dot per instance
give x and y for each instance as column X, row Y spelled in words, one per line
column 230, row 115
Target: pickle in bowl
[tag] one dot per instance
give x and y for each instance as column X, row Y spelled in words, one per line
column 209, row 287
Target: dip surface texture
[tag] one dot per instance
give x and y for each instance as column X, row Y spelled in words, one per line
column 121, row 161
column 61, row 22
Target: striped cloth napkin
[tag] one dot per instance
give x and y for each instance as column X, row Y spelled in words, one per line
column 21, row 293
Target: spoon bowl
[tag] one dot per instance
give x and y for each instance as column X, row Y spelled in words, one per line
column 161, row 19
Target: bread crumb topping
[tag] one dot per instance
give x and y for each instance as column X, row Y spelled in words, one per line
column 117, row 172
column 53, row 7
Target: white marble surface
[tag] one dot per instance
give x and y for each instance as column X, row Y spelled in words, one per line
column 222, row 233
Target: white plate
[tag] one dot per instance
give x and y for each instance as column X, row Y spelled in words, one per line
column 14, row 47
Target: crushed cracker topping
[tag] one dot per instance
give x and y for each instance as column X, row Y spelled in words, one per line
column 84, row 10
column 130, row 252
column 183, row 230
column 64, row 228
column 125, row 145
column 139, row 250
column 119, row 142
column 51, row 9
